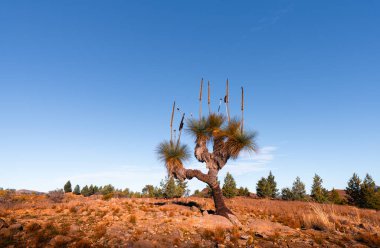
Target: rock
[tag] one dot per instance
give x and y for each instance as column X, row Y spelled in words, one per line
column 221, row 246
column 59, row 241
column 265, row 228
column 3, row 224
column 210, row 222
column 74, row 229
column 194, row 209
column 204, row 213
column 245, row 237
column 260, row 235
column 16, row 227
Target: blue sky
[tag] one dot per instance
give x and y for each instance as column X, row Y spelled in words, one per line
column 86, row 87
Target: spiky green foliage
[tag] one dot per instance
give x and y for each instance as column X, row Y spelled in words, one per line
column 198, row 128
column 172, row 155
column 238, row 141
column 215, row 123
column 206, row 128
column 214, row 127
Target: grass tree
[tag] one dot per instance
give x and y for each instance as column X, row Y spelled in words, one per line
column 218, row 138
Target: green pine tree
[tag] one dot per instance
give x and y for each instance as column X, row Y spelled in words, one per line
column 76, row 190
column 229, row 186
column 85, row 191
column 263, row 188
column 107, row 189
column 369, row 198
column 272, row 185
column 318, row 193
column 298, row 190
column 287, row 194
column 181, row 187
column 91, row 189
column 353, row 190
column 267, row 187
column 170, row 188
column 67, row 187
column 334, row 197
column 243, row 191
column 148, row 191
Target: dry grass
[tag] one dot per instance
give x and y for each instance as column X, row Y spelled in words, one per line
column 93, row 222
column 133, row 219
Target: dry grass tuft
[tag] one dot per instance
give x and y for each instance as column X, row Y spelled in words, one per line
column 319, row 219
column 133, row 219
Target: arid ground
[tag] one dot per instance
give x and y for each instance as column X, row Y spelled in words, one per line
column 35, row 221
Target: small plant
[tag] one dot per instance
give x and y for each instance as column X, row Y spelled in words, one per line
column 132, row 219
column 56, row 195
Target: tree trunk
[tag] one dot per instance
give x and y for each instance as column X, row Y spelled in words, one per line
column 210, row 178
column 220, row 206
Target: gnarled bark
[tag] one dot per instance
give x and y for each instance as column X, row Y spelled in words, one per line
column 211, row 179
column 214, row 162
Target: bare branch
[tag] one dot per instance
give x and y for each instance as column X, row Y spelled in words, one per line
column 190, row 174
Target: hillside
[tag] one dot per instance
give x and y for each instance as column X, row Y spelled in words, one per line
column 35, row 221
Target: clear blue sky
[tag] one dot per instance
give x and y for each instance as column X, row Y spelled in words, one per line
column 86, row 87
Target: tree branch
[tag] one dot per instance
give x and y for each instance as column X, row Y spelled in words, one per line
column 202, row 154
column 190, row 174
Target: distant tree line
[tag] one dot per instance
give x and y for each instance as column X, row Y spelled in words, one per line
column 364, row 194
column 361, row 193
column 169, row 188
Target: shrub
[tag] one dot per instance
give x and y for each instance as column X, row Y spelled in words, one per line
column 56, row 195
column 286, row 194
column 133, row 219
column 108, row 196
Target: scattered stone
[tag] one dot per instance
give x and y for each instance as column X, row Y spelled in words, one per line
column 74, row 229
column 245, row 237
column 194, row 209
column 260, row 235
column 205, row 212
